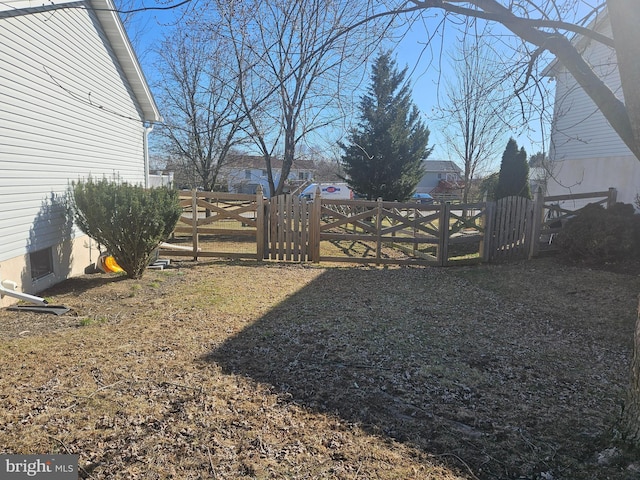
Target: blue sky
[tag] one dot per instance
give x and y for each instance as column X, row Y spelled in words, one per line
column 426, row 66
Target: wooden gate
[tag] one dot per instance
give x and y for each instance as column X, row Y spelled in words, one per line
column 288, row 229
column 512, row 229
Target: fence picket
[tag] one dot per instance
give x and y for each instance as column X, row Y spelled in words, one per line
column 260, row 226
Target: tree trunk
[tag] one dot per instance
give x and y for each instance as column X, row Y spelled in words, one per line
column 624, row 16
column 631, row 417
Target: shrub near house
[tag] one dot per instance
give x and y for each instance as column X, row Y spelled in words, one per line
column 598, row 235
column 128, row 220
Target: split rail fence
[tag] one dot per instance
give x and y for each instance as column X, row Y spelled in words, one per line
column 286, row 228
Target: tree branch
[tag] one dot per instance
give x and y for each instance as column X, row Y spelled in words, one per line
column 611, row 107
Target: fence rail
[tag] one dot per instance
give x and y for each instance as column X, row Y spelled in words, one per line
column 286, row 228
column 554, row 212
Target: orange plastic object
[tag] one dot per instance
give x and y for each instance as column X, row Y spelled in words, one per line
column 111, row 265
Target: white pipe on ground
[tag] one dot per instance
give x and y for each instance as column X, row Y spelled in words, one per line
column 171, row 246
column 7, row 287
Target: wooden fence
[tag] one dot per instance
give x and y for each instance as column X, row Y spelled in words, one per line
column 219, row 216
column 287, row 228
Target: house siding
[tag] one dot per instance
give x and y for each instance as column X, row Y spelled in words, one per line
column 67, row 112
column 436, row 170
column 586, row 153
column 246, row 174
column 579, row 128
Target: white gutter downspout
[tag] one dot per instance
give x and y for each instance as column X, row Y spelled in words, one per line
column 147, row 130
column 9, row 288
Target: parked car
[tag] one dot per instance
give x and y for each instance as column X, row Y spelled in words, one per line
column 422, row 198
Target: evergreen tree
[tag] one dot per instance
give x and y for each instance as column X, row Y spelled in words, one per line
column 514, row 172
column 384, row 155
column 488, row 186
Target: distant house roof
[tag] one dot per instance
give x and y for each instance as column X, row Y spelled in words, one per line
column 106, row 13
column 257, row 162
column 441, row 166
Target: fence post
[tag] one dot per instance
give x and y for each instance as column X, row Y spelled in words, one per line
column 194, row 222
column 260, row 232
column 379, row 230
column 613, row 197
column 314, row 227
column 443, row 247
column 538, row 218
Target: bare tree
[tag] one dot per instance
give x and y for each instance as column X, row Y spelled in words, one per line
column 477, row 107
column 297, row 73
column 548, row 26
column 199, row 98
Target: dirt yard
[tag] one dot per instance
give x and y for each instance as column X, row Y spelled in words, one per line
column 234, row 370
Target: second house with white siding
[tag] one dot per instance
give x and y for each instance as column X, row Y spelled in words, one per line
column 586, row 154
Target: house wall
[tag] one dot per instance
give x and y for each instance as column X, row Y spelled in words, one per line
column 72, row 257
column 431, row 179
column 586, row 153
column 66, row 112
column 595, row 175
column 246, row 180
column 436, row 170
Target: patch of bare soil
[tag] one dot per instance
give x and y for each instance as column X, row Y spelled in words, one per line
column 242, row 370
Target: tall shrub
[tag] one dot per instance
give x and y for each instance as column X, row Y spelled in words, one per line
column 514, row 172
column 128, row 220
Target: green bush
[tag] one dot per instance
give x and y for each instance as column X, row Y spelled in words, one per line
column 598, row 235
column 128, row 220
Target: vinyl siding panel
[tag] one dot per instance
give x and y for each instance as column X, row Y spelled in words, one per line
column 66, row 112
column 579, row 130
column 587, row 154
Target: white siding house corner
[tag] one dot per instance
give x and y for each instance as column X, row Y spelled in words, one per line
column 586, row 154
column 74, row 103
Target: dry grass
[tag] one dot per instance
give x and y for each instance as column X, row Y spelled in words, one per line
column 241, row 370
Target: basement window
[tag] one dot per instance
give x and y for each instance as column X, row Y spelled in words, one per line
column 41, row 263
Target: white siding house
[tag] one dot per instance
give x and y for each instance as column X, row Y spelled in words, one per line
column 442, row 179
column 245, row 173
column 73, row 103
column 586, row 154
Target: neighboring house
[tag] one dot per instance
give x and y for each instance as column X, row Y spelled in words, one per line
column 160, row 178
column 244, row 173
column 442, row 180
column 73, row 103
column 586, row 154
column 538, row 178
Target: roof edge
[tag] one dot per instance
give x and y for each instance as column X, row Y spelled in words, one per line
column 108, row 16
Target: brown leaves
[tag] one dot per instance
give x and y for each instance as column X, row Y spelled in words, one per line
column 232, row 371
